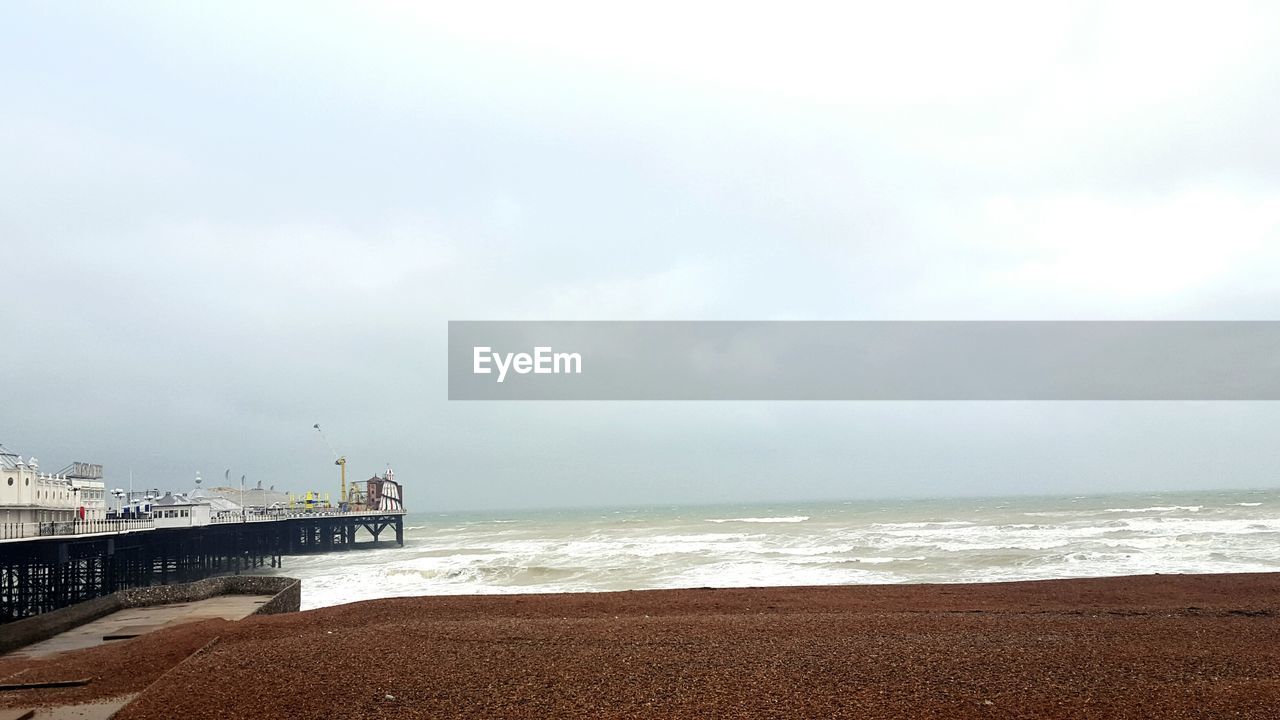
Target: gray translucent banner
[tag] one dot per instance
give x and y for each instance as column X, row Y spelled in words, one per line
column 557, row 360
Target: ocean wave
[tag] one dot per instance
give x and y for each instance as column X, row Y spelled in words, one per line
column 879, row 560
column 1157, row 508
column 925, row 525
column 763, row 574
column 783, row 519
column 831, row 544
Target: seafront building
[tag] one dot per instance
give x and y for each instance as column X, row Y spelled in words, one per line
column 27, row 495
column 177, row 511
column 30, row 499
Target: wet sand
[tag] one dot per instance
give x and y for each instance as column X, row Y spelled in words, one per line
column 1153, row 646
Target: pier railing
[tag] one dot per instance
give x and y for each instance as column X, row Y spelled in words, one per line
column 17, row 531
column 235, row 517
column 31, row 530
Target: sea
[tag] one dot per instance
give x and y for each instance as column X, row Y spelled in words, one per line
column 818, row 543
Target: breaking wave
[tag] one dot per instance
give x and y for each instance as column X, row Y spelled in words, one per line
column 836, row 543
column 786, row 519
column 1158, row 508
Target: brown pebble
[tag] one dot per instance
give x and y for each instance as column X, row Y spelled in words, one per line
column 1137, row 647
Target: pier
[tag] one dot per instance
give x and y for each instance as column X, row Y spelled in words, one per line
column 48, row 565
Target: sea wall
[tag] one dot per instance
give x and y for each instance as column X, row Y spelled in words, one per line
column 286, row 597
column 210, row 587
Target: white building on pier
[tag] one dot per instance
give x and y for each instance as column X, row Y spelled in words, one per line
column 179, row 511
column 27, row 495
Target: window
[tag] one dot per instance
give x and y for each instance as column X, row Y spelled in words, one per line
column 10, row 482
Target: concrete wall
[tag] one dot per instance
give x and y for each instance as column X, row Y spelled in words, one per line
column 286, row 597
column 21, row 633
column 209, row 587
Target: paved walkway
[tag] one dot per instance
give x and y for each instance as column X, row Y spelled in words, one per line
column 136, row 621
column 102, row 710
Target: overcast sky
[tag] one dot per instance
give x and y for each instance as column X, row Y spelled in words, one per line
column 222, row 224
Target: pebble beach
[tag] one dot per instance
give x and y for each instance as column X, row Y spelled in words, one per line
column 1148, row 646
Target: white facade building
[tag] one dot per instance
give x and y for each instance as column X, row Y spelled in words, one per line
column 28, row 495
column 178, row 511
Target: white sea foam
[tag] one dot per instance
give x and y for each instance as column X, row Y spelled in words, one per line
column 912, row 526
column 805, row 545
column 1158, row 508
column 785, row 519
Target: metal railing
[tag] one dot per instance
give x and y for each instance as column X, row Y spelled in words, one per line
column 273, row 515
column 17, row 531
column 14, row 531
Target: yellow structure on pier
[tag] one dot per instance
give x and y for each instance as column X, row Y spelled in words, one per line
column 310, row 501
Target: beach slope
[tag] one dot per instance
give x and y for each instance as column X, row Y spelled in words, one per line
column 1151, row 646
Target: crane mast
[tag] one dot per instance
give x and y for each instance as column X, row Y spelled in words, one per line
column 340, row 461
